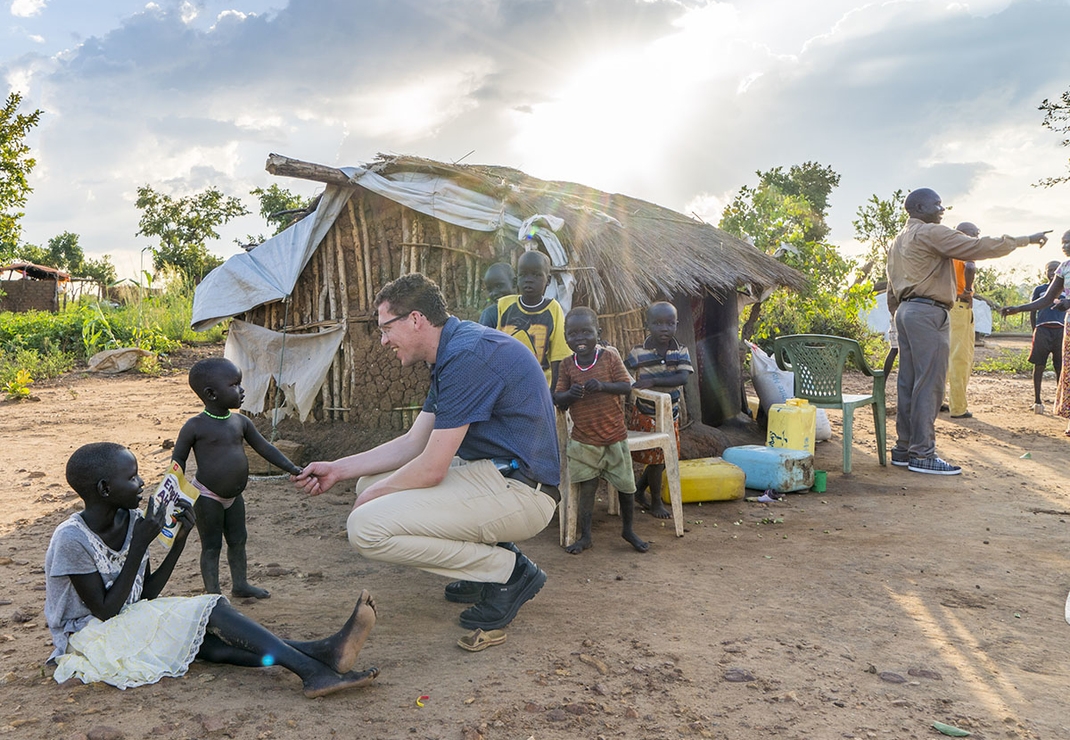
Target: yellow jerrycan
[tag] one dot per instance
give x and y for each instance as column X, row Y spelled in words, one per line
column 707, row 479
column 792, row 425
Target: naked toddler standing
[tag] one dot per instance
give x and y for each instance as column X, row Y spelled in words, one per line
column 216, row 435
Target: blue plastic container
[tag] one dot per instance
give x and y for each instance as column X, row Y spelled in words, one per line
column 778, row 468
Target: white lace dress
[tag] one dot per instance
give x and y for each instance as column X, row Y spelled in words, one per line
column 147, row 640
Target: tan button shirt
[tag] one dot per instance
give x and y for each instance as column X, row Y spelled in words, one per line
column 920, row 260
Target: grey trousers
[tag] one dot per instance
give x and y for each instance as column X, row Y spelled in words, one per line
column 451, row 529
column 924, row 347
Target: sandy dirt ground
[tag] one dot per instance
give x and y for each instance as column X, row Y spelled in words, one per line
column 888, row 602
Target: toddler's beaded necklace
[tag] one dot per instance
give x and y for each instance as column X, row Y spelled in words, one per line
column 206, row 412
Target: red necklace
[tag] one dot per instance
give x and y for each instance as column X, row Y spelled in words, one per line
column 581, row 368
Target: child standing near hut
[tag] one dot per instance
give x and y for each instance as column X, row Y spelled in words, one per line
column 591, row 383
column 538, row 322
column 216, row 435
column 498, row 281
column 661, row 363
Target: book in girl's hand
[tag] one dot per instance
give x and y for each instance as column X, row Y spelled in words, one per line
column 173, row 487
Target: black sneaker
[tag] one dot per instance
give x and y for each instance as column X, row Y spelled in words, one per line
column 900, row 458
column 932, row 466
column 501, row 601
column 464, row 592
column 468, row 592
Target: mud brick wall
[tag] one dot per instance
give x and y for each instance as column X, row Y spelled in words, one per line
column 29, row 295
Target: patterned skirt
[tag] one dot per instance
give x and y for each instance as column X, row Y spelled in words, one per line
column 1062, row 396
column 146, row 641
column 640, row 422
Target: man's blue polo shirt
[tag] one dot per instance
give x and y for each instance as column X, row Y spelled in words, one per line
column 494, row 384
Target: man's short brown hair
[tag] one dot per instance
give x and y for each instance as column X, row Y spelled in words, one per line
column 414, row 292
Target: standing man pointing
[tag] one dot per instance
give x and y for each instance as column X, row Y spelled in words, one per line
column 921, row 291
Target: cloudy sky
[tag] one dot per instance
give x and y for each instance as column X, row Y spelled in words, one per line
column 674, row 101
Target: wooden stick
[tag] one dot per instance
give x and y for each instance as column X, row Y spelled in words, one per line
column 343, row 306
column 359, row 248
column 277, row 164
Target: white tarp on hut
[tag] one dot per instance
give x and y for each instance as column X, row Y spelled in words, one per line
column 269, row 272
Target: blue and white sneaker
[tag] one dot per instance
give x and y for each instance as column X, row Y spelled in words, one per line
column 900, row 458
column 932, row 466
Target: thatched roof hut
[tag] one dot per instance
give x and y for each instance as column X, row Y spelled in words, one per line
column 403, row 214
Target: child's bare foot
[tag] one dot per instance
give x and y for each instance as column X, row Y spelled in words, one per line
column 659, row 511
column 329, row 682
column 347, row 643
column 641, row 500
column 635, row 542
column 339, row 651
column 248, row 590
column 584, row 543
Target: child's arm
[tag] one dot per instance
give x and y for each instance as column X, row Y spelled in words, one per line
column 617, row 389
column 564, row 399
column 183, row 445
column 672, row 380
column 105, row 603
column 157, row 579
column 265, row 449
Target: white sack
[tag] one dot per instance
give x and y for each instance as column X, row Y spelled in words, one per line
column 114, row 361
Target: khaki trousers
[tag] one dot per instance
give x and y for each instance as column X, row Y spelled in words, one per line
column 960, row 363
column 451, row 529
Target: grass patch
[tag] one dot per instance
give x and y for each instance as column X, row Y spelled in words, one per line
column 158, row 323
column 1008, row 361
column 17, row 365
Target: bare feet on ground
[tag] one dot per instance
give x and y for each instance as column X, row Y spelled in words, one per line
column 583, row 543
column 250, row 591
column 349, row 641
column 635, row 542
column 330, row 682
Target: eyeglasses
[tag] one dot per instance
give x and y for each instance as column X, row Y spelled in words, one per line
column 383, row 326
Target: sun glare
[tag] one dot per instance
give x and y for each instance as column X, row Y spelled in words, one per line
column 614, row 117
column 617, row 115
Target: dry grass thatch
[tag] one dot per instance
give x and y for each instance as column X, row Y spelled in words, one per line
column 638, row 251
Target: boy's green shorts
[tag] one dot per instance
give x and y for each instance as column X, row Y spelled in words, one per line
column 613, row 463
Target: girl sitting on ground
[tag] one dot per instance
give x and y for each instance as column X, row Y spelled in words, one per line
column 101, row 600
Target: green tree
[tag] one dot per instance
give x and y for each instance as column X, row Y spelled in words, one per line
column 184, row 225
column 32, row 253
column 1057, row 119
column 15, row 168
column 279, row 207
column 102, row 270
column 785, row 215
column 877, row 224
column 65, row 252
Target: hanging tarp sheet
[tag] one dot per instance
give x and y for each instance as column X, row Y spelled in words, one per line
column 297, row 362
column 441, row 198
column 269, row 272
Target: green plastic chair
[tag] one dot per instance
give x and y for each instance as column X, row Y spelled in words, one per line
column 818, row 362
